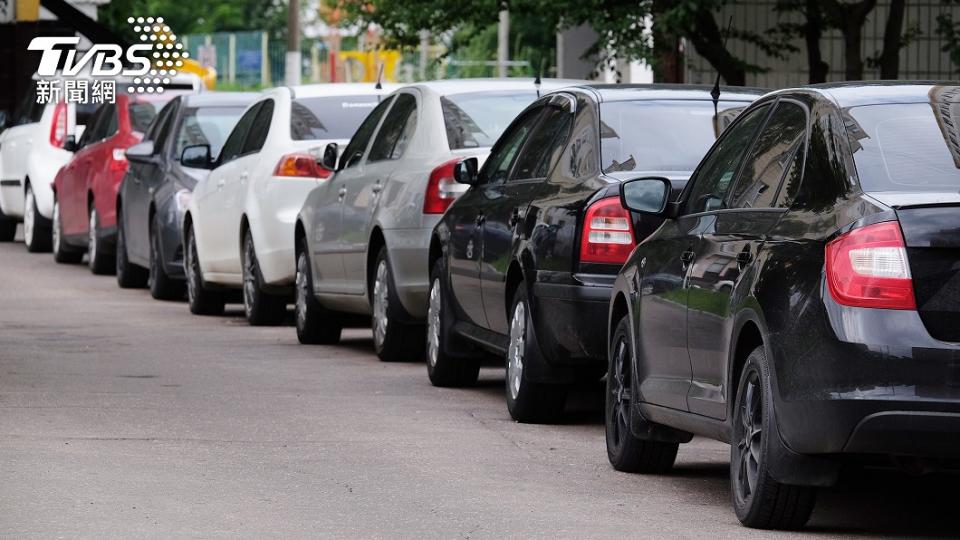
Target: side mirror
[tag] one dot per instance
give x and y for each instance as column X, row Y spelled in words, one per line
column 648, row 195
column 140, row 153
column 70, row 145
column 3, row 120
column 197, row 157
column 330, row 155
column 465, row 172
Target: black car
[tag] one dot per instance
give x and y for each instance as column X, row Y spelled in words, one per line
column 158, row 185
column 524, row 261
column 802, row 299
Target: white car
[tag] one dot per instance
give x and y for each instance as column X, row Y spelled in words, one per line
column 238, row 228
column 363, row 237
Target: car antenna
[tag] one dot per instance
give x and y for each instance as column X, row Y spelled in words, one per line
column 379, row 85
column 715, row 93
column 537, row 81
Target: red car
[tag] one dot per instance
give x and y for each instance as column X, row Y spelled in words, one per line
column 85, row 190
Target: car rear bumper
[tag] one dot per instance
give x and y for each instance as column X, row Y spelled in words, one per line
column 409, row 251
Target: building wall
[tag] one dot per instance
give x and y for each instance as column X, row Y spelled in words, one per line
column 921, row 59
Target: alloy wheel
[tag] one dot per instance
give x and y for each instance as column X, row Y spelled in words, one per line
column 29, row 217
column 154, row 259
column 380, row 304
column 302, row 290
column 517, row 346
column 620, row 390
column 193, row 270
column 249, row 276
column 433, row 323
column 92, row 237
column 750, row 433
column 55, row 233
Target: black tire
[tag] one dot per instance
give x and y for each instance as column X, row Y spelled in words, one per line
column 99, row 260
column 393, row 340
column 625, row 451
column 37, row 233
column 8, row 228
column 202, row 300
column 161, row 285
column 62, row 253
column 261, row 308
column 129, row 275
column 758, row 500
column 529, row 402
column 444, row 368
column 316, row 325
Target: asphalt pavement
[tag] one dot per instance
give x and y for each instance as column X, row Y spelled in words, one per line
column 124, row 417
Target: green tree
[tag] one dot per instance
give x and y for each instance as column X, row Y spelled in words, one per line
column 201, row 16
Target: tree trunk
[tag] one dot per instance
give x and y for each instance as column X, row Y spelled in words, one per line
column 667, row 61
column 708, row 42
column 849, row 18
column 890, row 57
column 813, row 30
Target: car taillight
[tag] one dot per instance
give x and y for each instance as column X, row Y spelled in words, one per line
column 868, row 267
column 607, row 233
column 439, row 196
column 119, row 162
column 58, row 129
column 301, row 166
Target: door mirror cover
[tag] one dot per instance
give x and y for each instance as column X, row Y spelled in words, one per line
column 465, row 172
column 140, row 153
column 647, row 195
column 330, row 155
column 197, row 157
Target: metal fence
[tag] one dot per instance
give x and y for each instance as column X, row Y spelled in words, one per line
column 921, row 58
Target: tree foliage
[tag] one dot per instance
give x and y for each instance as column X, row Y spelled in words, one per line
column 200, row 16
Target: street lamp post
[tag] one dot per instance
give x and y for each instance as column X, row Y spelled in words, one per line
column 293, row 61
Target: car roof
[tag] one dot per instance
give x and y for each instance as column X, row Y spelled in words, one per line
column 635, row 92
column 464, row 86
column 340, row 89
column 851, row 94
column 220, row 99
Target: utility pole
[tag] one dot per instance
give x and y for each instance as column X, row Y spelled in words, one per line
column 293, row 62
column 503, row 43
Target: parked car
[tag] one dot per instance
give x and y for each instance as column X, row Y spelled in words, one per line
column 802, row 299
column 238, row 228
column 157, row 187
column 85, row 189
column 362, row 237
column 523, row 263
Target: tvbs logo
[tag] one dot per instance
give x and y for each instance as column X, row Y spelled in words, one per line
column 103, row 60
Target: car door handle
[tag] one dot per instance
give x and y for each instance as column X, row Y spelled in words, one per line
column 515, row 218
column 376, row 187
column 744, row 258
column 480, row 219
column 221, row 182
column 342, row 193
column 244, row 175
column 686, row 258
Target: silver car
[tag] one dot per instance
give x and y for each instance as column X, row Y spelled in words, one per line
column 362, row 238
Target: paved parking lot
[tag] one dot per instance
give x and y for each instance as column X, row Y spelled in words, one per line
column 125, row 417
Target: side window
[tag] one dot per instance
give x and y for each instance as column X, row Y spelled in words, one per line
column 497, row 167
column 539, row 151
column 234, row 144
column 163, row 132
column 771, row 157
column 155, row 125
column 353, row 153
column 259, row 129
column 397, row 130
column 90, row 131
column 712, row 182
column 109, row 123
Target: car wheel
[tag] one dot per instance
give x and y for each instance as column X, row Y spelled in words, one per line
column 97, row 259
column 528, row 401
column 8, row 228
column 162, row 286
column 202, row 301
column 62, row 253
column 261, row 309
column 443, row 368
column 625, row 451
column 393, row 340
column 316, row 325
column 36, row 229
column 129, row 275
column 759, row 500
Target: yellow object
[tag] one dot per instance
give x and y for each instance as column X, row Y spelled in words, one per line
column 208, row 75
column 28, row 10
column 370, row 63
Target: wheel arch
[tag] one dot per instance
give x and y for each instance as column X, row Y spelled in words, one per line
column 749, row 336
column 377, row 241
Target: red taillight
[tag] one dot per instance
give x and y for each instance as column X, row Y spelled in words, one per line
column 868, row 267
column 607, row 233
column 58, row 129
column 118, row 165
column 439, row 196
column 301, row 166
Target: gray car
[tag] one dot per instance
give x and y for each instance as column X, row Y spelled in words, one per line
column 363, row 236
column 158, row 185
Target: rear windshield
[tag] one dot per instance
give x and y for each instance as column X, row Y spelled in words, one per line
column 329, row 117
column 660, row 135
column 206, row 125
column 905, row 147
column 141, row 114
column 477, row 119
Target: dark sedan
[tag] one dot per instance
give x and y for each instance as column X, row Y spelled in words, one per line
column 802, row 299
column 158, row 186
column 523, row 263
